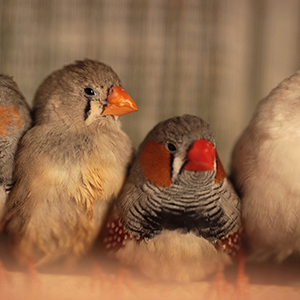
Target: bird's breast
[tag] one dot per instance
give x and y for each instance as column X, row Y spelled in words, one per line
column 170, row 255
column 117, row 236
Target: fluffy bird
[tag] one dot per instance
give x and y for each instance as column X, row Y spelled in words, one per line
column 69, row 165
column 265, row 170
column 15, row 119
column 177, row 217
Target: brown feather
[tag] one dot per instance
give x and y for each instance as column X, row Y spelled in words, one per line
column 156, row 163
column 220, row 171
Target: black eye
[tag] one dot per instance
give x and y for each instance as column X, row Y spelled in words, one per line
column 89, row 91
column 171, row 147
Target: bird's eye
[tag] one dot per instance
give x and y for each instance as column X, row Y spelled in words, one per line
column 89, row 91
column 171, row 147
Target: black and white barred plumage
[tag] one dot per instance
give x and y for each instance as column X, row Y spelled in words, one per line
column 193, row 202
column 168, row 200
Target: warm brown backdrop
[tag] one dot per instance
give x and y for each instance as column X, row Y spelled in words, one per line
column 212, row 58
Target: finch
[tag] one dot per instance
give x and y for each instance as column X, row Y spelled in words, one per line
column 265, row 171
column 69, row 165
column 15, row 120
column 178, row 216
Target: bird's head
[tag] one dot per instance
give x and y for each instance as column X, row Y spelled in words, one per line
column 177, row 147
column 10, row 95
column 82, row 93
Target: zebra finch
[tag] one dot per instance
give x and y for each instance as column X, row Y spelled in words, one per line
column 70, row 164
column 265, row 172
column 177, row 217
column 15, row 120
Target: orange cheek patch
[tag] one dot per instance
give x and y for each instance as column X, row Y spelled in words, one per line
column 220, row 171
column 9, row 116
column 155, row 161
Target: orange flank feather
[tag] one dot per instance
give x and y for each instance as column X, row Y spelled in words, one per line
column 220, row 171
column 156, row 164
column 9, row 116
column 117, row 235
column 231, row 243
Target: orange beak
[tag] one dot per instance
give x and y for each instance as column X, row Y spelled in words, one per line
column 201, row 156
column 119, row 103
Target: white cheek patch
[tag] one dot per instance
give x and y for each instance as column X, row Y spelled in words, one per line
column 178, row 162
column 94, row 113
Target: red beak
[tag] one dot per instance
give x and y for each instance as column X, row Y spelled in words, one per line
column 201, row 156
column 119, row 103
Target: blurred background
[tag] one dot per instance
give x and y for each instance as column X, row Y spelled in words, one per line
column 212, row 58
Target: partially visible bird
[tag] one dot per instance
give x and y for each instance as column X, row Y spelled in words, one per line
column 15, row 119
column 177, row 217
column 266, row 172
column 69, row 165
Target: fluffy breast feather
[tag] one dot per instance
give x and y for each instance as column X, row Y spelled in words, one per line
column 57, row 207
column 266, row 174
column 173, row 256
